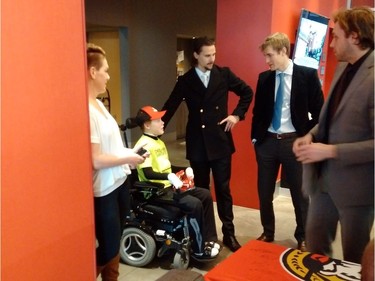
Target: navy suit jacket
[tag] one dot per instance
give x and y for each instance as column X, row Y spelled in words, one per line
column 306, row 97
column 205, row 138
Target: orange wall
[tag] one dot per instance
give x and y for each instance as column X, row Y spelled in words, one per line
column 47, row 228
column 45, row 171
column 241, row 27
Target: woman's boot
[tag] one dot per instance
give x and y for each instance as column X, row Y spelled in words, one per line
column 99, row 270
column 110, row 271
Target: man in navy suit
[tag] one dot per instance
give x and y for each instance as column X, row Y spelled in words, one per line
column 287, row 104
column 209, row 143
column 338, row 153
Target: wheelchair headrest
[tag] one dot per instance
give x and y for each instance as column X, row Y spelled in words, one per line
column 131, row 123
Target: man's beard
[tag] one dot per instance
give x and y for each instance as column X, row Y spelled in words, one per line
column 208, row 67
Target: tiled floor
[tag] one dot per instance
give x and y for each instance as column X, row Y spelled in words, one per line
column 247, row 228
column 247, row 224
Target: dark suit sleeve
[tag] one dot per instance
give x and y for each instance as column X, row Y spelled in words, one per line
column 241, row 89
column 256, row 112
column 263, row 105
column 173, row 102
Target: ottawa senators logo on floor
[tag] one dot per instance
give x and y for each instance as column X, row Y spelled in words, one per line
column 308, row 266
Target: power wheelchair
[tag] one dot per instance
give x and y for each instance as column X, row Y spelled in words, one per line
column 156, row 226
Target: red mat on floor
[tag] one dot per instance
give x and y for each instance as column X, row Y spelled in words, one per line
column 261, row 261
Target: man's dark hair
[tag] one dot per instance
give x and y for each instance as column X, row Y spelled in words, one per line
column 198, row 43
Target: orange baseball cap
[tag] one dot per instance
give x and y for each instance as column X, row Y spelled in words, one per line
column 153, row 113
column 148, row 113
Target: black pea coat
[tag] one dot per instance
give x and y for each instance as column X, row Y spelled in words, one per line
column 205, row 138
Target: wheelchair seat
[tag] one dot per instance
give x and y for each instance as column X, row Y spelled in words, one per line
column 168, row 212
column 148, row 196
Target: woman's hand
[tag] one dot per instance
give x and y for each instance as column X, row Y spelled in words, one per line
column 134, row 159
column 127, row 156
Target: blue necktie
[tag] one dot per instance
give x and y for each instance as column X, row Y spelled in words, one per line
column 276, row 120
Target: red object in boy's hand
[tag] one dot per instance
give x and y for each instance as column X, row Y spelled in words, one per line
column 187, row 182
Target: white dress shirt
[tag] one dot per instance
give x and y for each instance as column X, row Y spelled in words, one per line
column 286, row 119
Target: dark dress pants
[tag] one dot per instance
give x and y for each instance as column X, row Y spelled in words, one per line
column 270, row 154
column 355, row 221
column 221, row 172
column 209, row 226
column 197, row 204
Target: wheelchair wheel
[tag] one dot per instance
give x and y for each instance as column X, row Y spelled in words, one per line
column 181, row 259
column 137, row 248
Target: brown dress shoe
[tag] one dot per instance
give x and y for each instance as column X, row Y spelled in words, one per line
column 231, row 242
column 302, row 246
column 265, row 238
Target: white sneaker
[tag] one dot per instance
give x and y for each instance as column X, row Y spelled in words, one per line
column 208, row 253
column 213, row 244
column 214, row 252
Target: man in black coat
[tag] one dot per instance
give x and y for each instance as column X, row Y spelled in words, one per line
column 209, row 143
column 276, row 125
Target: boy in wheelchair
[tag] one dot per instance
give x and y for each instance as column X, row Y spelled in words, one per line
column 196, row 202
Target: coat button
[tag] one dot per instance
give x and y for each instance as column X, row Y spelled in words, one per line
column 217, row 107
column 201, row 110
column 203, row 126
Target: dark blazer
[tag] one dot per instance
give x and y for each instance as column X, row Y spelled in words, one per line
column 306, row 97
column 349, row 179
column 205, row 138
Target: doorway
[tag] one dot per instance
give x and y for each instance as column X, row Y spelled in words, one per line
column 183, row 64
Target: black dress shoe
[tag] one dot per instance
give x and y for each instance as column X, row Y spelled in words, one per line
column 231, row 242
column 302, row 246
column 265, row 238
